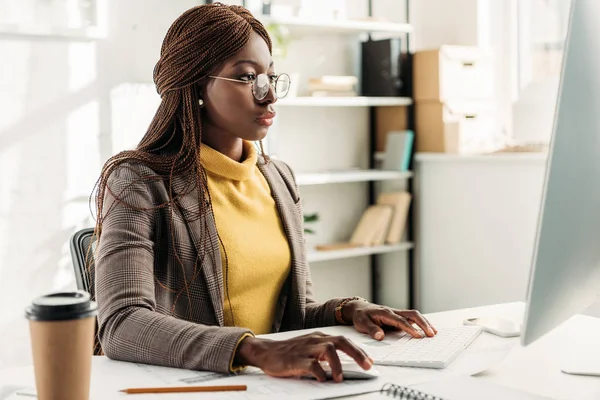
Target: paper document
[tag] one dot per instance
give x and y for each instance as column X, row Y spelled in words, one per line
column 111, row 376
column 462, row 388
column 178, row 377
column 261, row 386
column 470, row 388
column 16, row 393
column 474, row 361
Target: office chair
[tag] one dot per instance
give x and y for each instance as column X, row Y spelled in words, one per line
column 81, row 246
column 80, row 249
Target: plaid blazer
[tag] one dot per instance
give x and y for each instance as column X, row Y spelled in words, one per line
column 139, row 261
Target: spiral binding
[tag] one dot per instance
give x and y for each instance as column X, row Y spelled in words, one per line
column 404, row 393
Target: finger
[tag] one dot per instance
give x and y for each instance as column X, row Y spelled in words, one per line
column 329, row 354
column 431, row 325
column 426, row 321
column 310, row 335
column 317, row 371
column 355, row 352
column 371, row 328
column 312, row 338
column 389, row 318
column 416, row 317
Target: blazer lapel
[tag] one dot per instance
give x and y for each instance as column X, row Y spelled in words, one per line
column 203, row 232
column 293, row 228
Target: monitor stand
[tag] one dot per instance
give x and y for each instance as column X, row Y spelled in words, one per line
column 592, row 368
column 582, row 362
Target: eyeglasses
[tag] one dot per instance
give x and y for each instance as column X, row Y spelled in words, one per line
column 261, row 84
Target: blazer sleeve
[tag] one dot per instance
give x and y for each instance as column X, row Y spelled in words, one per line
column 129, row 326
column 317, row 314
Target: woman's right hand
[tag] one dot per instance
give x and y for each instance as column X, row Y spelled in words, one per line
column 300, row 356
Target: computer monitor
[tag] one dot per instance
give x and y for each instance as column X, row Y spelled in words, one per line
column 565, row 271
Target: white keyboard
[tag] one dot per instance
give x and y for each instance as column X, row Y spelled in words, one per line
column 435, row 352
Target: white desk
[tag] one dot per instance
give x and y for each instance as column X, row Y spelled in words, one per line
column 534, row 369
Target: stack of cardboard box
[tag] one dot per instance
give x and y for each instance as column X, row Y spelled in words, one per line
column 455, row 107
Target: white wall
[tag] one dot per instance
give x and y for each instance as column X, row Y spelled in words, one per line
column 475, row 226
column 440, row 22
column 65, row 111
column 55, row 131
column 454, row 247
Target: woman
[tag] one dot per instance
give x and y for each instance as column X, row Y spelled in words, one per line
column 200, row 238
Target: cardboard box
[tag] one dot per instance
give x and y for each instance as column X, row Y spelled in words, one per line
column 389, row 119
column 456, row 127
column 453, row 73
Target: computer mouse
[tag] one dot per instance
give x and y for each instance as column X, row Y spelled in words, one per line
column 351, row 371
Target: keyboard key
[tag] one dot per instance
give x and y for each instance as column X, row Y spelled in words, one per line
column 436, row 352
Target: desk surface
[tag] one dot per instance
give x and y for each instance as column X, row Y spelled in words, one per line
column 534, row 369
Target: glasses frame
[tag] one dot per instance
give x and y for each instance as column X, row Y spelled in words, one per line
column 273, row 84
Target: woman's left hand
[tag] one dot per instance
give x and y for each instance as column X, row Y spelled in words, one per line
column 372, row 318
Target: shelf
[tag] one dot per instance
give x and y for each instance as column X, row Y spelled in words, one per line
column 42, row 32
column 497, row 157
column 316, row 26
column 356, row 101
column 318, row 178
column 316, row 255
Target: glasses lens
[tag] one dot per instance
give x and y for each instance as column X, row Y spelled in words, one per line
column 282, row 86
column 261, row 87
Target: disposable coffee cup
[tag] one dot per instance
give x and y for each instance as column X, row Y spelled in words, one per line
column 62, row 339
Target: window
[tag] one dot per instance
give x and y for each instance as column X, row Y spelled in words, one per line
column 542, row 29
column 539, row 28
column 72, row 19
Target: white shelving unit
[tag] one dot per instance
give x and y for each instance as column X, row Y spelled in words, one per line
column 304, row 25
column 350, row 101
column 386, row 263
column 319, row 178
column 319, row 255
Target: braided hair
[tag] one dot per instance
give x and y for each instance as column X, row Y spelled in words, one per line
column 196, row 44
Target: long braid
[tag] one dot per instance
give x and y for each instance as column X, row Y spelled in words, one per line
column 196, row 44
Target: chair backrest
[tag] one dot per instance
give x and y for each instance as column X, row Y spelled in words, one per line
column 81, row 248
column 82, row 254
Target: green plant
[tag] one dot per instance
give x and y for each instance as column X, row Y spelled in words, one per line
column 280, row 35
column 310, row 218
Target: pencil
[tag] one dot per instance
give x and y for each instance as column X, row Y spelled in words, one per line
column 185, row 389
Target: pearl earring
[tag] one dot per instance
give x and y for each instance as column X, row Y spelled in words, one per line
column 200, row 102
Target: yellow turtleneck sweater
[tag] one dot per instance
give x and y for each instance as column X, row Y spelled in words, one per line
column 258, row 254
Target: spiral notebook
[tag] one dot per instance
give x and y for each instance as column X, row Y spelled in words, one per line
column 390, row 391
column 448, row 388
column 405, row 393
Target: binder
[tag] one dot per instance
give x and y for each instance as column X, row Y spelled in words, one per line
column 398, row 150
column 373, row 226
column 400, row 202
